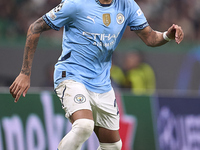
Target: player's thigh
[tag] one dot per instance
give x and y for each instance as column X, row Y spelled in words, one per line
column 81, row 114
column 106, row 136
column 75, row 100
column 106, row 112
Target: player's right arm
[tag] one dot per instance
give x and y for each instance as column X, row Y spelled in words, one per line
column 59, row 16
column 22, row 82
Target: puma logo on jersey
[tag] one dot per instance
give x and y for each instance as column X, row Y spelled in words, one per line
column 91, row 18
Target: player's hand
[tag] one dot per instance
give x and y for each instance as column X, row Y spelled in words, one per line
column 20, row 86
column 175, row 32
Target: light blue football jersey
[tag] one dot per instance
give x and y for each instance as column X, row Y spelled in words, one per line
column 91, row 33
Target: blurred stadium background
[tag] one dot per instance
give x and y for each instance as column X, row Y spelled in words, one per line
column 168, row 119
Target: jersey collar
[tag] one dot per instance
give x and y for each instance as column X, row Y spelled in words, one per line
column 104, row 5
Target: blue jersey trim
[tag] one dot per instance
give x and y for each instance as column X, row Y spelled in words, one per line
column 65, row 57
column 140, row 27
column 49, row 23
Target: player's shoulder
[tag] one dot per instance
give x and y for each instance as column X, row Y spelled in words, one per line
column 72, row 5
column 78, row 3
column 125, row 3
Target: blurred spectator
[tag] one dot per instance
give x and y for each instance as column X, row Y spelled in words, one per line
column 139, row 75
column 118, row 78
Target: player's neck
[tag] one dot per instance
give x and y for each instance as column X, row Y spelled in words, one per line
column 105, row 1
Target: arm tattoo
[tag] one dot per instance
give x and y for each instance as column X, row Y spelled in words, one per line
column 154, row 41
column 39, row 26
column 150, row 30
column 31, row 43
column 155, row 37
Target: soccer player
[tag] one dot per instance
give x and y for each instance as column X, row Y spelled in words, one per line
column 92, row 30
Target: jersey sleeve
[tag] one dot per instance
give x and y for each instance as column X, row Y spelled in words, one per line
column 137, row 20
column 61, row 15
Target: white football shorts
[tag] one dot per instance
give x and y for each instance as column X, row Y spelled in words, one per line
column 74, row 96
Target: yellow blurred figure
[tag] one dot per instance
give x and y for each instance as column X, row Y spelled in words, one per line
column 140, row 76
column 117, row 76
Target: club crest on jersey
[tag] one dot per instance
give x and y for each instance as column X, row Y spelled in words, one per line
column 79, row 98
column 106, row 19
column 58, row 8
column 120, row 18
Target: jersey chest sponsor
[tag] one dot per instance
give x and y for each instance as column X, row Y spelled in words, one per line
column 100, row 40
column 100, row 36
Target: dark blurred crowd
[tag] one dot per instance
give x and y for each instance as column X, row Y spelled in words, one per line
column 163, row 13
column 17, row 15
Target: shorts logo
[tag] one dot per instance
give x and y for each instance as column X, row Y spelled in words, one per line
column 58, row 8
column 106, row 19
column 79, row 98
column 120, row 18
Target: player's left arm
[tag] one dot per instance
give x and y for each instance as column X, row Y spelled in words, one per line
column 155, row 38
